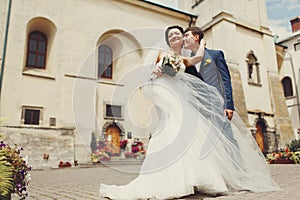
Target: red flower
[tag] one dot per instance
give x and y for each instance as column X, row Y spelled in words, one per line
column 46, row 156
column 123, row 144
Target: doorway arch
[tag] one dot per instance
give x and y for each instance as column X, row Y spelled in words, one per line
column 112, row 133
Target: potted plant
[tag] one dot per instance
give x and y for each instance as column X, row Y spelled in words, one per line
column 99, row 155
column 123, row 145
column 5, row 177
column 14, row 170
column 283, row 157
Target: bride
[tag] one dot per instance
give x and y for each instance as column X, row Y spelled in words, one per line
column 190, row 150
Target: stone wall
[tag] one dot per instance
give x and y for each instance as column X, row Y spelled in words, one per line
column 57, row 142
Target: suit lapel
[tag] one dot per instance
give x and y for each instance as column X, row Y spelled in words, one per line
column 201, row 65
column 204, row 63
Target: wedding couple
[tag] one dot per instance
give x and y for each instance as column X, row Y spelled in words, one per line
column 214, row 70
column 196, row 148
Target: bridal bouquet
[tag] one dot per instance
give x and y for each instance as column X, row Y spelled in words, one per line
column 172, row 64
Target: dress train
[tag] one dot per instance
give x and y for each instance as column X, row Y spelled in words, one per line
column 195, row 147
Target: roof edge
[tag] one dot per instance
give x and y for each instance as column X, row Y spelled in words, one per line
column 169, row 8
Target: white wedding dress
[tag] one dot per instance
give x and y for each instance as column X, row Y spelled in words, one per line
column 193, row 149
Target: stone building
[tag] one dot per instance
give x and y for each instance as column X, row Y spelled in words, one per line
column 288, row 59
column 54, row 90
column 65, row 64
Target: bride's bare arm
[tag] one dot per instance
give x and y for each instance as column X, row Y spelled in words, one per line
column 157, row 70
column 190, row 61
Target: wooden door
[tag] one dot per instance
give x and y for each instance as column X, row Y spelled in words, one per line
column 259, row 137
column 113, row 139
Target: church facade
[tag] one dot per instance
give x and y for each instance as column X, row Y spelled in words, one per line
column 63, row 70
column 288, row 54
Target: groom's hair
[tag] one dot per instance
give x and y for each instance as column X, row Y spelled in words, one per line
column 168, row 30
column 195, row 31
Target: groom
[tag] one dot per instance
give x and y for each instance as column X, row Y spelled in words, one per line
column 218, row 76
column 214, row 72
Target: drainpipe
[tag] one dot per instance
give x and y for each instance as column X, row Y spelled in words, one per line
column 5, row 44
column 192, row 20
column 296, row 87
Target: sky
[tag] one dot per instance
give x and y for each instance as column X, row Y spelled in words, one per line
column 279, row 12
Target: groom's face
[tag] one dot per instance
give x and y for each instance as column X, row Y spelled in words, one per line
column 189, row 39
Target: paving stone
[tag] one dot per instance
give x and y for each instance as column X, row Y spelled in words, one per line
column 83, row 184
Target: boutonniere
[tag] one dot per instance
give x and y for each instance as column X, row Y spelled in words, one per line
column 207, row 61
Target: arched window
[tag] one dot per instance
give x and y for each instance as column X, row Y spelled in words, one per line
column 287, row 86
column 105, row 56
column 37, row 50
column 253, row 69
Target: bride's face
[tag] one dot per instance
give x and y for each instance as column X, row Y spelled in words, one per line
column 175, row 38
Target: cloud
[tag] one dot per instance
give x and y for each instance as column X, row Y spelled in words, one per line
column 280, row 12
column 283, row 4
column 292, row 7
column 278, row 27
column 290, row 4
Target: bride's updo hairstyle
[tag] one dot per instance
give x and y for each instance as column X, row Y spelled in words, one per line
column 168, row 30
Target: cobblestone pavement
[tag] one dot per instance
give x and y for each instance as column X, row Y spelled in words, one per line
column 82, row 183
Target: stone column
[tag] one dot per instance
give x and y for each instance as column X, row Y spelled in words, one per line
column 238, row 93
column 282, row 120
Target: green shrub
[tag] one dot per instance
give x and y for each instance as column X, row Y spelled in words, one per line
column 294, row 145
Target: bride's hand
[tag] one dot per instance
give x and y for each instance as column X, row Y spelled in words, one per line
column 157, row 70
column 202, row 43
column 199, row 54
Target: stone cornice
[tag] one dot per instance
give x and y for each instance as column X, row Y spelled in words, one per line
column 100, row 81
column 162, row 9
column 260, row 112
column 223, row 16
column 40, row 127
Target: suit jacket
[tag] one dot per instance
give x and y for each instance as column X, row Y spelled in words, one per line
column 193, row 71
column 208, row 70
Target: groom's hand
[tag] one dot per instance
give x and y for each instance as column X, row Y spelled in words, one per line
column 228, row 113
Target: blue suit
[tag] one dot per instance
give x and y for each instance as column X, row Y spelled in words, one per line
column 214, row 71
column 211, row 76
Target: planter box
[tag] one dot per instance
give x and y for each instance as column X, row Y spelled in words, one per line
column 284, row 162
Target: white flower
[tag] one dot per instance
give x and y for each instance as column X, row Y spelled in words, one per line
column 172, row 64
